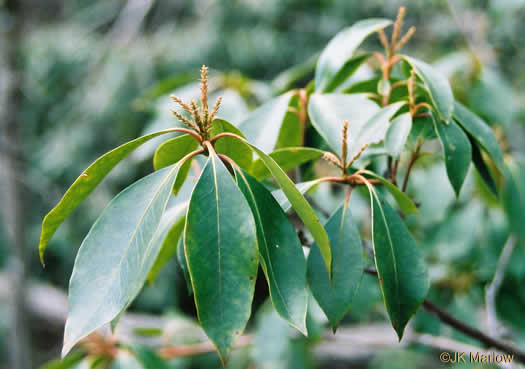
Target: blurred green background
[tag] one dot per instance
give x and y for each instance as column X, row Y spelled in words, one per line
column 78, row 78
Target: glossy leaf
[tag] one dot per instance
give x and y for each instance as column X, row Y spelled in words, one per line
column 480, row 132
column 299, row 203
column 171, row 151
column 438, row 87
column 116, row 255
column 457, row 150
column 287, row 159
column 346, row 71
column 282, row 257
column 230, row 146
column 263, row 125
column 328, row 111
column 400, row 266
column 335, row 296
column 84, row 185
column 302, row 187
column 221, row 252
column 342, row 47
column 168, row 234
column 397, row 134
column 404, row 202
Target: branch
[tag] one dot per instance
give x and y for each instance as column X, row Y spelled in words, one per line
column 466, row 329
column 492, row 289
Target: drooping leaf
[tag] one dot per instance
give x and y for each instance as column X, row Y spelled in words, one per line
column 346, row 71
column 457, row 150
column 116, row 255
column 299, row 203
column 263, row 125
column 287, row 159
column 221, row 252
column 230, row 146
column 400, row 266
column 173, row 150
column 513, row 194
column 84, row 185
column 483, row 169
column 397, row 134
column 335, row 296
column 404, row 202
column 437, row 85
column 481, row 133
column 342, row 47
column 328, row 111
column 168, row 234
column 282, row 257
column 302, row 187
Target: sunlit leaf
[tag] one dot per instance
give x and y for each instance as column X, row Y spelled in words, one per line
column 230, row 146
column 171, row 151
column 346, row 71
column 397, row 134
column 116, row 255
column 342, row 47
column 287, row 159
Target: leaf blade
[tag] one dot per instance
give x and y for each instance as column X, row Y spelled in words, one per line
column 397, row 134
column 287, row 159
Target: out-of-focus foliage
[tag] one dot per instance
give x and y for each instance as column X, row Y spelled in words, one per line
column 85, row 91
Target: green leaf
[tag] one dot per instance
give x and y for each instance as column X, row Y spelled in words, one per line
column 335, row 296
column 221, row 252
column 404, row 202
column 397, row 134
column 299, row 203
column 263, row 125
column 282, row 257
column 116, row 255
column 458, row 152
column 328, row 111
column 400, row 266
column 168, row 234
column 67, row 363
column 291, row 133
column 437, row 86
column 483, row 169
column 513, row 195
column 230, row 146
column 342, row 47
column 346, row 71
column 84, row 185
column 181, row 259
column 173, row 150
column 302, row 187
column 481, row 132
column 126, row 360
column 149, row 358
column 287, row 159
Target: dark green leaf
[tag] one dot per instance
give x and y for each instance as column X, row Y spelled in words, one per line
column 514, row 196
column 230, row 146
column 287, row 159
column 173, row 150
column 457, row 150
column 282, row 259
column 397, row 134
column 400, row 266
column 483, row 169
column 481, row 132
column 84, row 185
column 263, row 125
column 335, row 296
column 342, row 47
column 116, row 255
column 437, row 86
column 221, row 252
column 167, row 234
column 346, row 71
